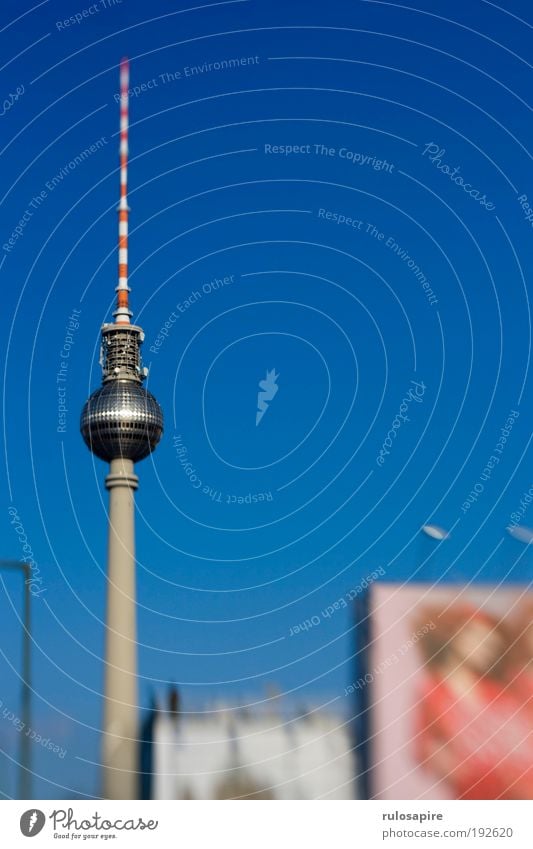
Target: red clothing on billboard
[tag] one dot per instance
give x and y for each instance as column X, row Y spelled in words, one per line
column 483, row 738
column 521, row 681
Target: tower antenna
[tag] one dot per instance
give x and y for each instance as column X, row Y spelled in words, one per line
column 122, row 313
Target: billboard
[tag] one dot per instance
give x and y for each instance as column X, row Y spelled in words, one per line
column 446, row 692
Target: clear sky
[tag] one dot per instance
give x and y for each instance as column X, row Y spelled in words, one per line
column 334, row 191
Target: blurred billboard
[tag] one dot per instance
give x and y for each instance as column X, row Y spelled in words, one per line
column 444, row 692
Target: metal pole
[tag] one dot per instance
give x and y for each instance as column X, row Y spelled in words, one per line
column 25, row 750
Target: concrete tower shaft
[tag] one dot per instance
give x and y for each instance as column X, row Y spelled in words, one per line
column 120, row 732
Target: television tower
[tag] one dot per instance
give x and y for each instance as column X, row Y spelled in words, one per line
column 121, row 423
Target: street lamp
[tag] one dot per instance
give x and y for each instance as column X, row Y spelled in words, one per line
column 435, row 532
column 25, row 771
column 429, row 532
column 521, row 533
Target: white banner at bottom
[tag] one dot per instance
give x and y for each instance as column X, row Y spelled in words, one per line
column 263, row 825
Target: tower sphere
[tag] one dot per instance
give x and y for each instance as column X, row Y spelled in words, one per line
column 121, row 419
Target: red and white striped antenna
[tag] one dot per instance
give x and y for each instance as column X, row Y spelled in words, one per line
column 122, row 313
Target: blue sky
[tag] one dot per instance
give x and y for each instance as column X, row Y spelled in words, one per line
column 262, row 174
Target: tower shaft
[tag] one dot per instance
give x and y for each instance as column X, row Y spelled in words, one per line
column 120, row 741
